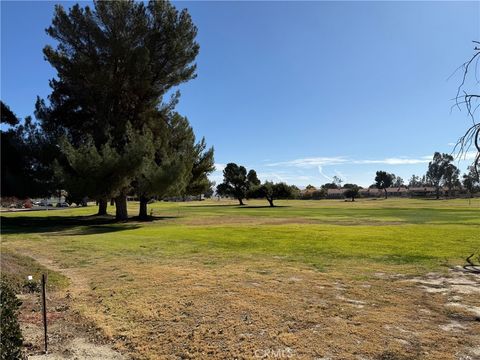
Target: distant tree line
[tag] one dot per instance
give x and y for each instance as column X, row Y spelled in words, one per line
column 441, row 174
column 240, row 184
column 107, row 130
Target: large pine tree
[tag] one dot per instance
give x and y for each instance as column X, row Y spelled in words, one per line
column 115, row 62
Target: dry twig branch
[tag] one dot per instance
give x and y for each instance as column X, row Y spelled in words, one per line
column 470, row 101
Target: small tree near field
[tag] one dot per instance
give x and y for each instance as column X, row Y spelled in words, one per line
column 441, row 171
column 351, row 192
column 272, row 191
column 451, row 178
column 384, row 180
column 235, row 182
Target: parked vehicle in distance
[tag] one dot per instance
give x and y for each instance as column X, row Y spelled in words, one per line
column 62, row 204
column 43, row 203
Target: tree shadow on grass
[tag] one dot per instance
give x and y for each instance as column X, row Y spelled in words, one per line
column 216, row 205
column 246, row 206
column 262, row 206
column 152, row 218
column 71, row 225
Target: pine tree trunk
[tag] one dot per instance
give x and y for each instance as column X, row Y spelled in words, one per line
column 121, row 212
column 142, row 214
column 386, row 194
column 102, row 207
column 270, row 201
column 241, row 202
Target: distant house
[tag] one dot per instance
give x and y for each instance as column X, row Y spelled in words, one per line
column 424, row 191
column 402, row 191
column 371, row 192
column 335, row 193
column 312, row 194
column 397, row 192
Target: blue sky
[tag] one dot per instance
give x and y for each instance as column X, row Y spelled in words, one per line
column 299, row 91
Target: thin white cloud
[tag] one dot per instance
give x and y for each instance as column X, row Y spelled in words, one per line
column 284, row 177
column 312, row 162
column 320, row 170
column 395, row 161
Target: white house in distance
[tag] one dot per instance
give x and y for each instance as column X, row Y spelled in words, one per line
column 424, row 191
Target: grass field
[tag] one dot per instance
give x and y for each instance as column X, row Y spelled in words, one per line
column 318, row 279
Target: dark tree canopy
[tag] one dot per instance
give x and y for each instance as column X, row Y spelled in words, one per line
column 97, row 172
column 25, row 170
column 330, row 185
column 384, row 180
column 253, row 178
column 167, row 171
column 115, row 62
column 272, row 191
column 7, row 116
column 442, row 172
column 451, row 177
column 210, row 191
column 203, row 165
column 235, row 182
column 351, row 192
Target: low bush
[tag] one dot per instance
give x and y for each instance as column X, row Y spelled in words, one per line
column 10, row 333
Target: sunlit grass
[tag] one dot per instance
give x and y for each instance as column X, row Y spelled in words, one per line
column 420, row 234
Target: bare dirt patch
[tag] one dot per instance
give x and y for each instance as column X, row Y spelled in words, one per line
column 253, row 309
column 70, row 336
column 188, row 311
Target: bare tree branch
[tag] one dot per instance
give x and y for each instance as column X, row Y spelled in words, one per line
column 468, row 100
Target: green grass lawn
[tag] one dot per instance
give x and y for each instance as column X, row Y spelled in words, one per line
column 417, row 234
column 213, row 277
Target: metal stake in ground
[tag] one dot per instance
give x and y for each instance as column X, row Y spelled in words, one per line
column 44, row 310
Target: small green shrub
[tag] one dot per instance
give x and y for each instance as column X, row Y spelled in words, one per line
column 31, row 286
column 10, row 333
